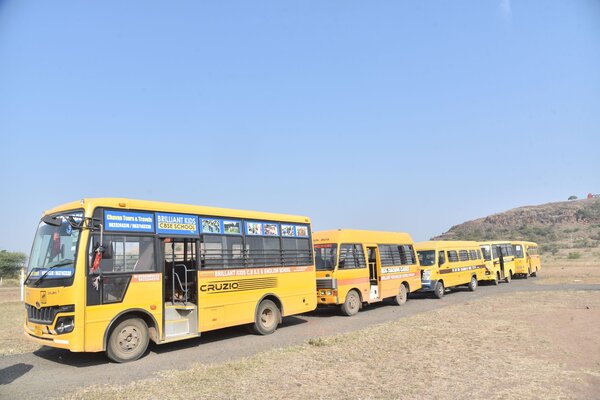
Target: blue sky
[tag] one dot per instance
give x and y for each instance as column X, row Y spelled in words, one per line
column 409, row 116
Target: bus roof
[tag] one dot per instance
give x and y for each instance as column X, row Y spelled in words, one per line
column 524, row 242
column 89, row 204
column 444, row 244
column 492, row 242
column 360, row 236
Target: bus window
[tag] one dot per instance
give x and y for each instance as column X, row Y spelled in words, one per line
column 325, row 256
column 352, row 256
column 426, row 257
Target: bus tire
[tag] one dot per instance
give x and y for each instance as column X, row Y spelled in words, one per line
column 267, row 318
column 351, row 304
column 128, row 340
column 526, row 275
column 534, row 274
column 473, row 284
column 439, row 289
column 508, row 277
column 497, row 280
column 401, row 297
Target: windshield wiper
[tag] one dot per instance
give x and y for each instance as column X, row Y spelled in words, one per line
column 60, row 264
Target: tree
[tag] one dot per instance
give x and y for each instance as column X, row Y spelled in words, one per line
column 11, row 263
column 572, row 197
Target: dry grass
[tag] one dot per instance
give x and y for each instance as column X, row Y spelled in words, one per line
column 559, row 269
column 499, row 347
column 12, row 341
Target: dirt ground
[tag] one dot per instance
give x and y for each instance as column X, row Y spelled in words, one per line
column 559, row 269
column 525, row 345
column 10, row 294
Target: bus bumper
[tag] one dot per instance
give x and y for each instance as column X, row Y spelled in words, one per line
column 327, row 297
column 41, row 335
column 428, row 286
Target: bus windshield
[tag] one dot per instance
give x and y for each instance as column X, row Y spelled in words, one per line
column 426, row 258
column 325, row 256
column 53, row 252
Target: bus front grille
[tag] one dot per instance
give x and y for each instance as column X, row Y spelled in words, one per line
column 326, row 284
column 43, row 315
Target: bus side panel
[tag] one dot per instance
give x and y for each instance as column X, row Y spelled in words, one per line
column 143, row 293
column 347, row 279
column 232, row 300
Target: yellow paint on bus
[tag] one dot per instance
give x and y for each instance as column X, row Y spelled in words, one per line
column 499, row 260
column 527, row 258
column 447, row 264
column 356, row 267
column 111, row 274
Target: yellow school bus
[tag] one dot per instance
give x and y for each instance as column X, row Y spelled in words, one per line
column 446, row 264
column 527, row 258
column 356, row 267
column 111, row 274
column 499, row 260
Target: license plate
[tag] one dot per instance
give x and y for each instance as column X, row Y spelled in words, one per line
column 37, row 331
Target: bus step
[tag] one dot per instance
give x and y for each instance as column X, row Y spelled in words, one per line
column 177, row 327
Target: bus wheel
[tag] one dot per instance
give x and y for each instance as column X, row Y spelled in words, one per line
column 352, row 304
column 401, row 297
column 438, row 292
column 534, row 274
column 128, row 341
column 508, row 277
column 526, row 275
column 497, row 280
column 267, row 318
column 473, row 284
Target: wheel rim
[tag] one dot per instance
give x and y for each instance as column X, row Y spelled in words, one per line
column 267, row 317
column 128, row 339
column 352, row 302
column 402, row 294
column 440, row 290
column 473, row 283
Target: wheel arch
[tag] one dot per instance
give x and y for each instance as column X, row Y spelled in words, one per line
column 133, row 313
column 275, row 299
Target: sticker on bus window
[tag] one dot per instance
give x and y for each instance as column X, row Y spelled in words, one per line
column 232, row 227
column 271, row 229
column 301, row 231
column 176, row 224
column 288, row 230
column 127, row 221
column 254, row 228
column 211, row 225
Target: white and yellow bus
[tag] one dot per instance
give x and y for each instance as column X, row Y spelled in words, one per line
column 111, row 274
column 446, row 264
column 527, row 258
column 357, row 267
column 499, row 260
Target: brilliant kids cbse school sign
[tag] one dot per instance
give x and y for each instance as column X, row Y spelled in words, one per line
column 165, row 223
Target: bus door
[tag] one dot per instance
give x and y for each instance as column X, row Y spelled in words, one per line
column 373, row 272
column 501, row 261
column 180, row 262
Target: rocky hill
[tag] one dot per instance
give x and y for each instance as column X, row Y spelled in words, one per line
column 567, row 224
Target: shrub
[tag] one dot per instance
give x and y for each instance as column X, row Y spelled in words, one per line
column 549, row 248
column 574, row 255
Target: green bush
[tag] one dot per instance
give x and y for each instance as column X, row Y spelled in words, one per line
column 11, row 263
column 574, row 255
column 549, row 248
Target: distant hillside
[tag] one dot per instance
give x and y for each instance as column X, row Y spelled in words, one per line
column 567, row 224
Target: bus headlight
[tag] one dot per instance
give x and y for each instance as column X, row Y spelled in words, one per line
column 64, row 325
column 426, row 275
